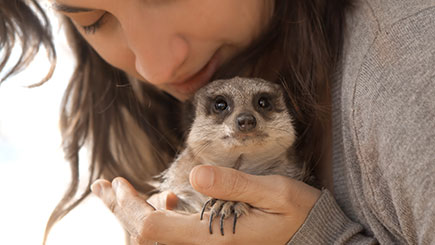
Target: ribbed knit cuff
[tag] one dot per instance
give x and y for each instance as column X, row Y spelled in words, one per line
column 327, row 224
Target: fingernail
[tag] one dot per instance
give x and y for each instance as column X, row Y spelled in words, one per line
column 204, row 177
column 97, row 189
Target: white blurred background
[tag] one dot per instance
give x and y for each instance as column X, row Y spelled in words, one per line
column 33, row 172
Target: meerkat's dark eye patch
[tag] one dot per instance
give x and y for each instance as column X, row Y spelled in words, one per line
column 264, row 103
column 220, row 105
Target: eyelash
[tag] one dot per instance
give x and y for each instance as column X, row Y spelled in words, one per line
column 91, row 29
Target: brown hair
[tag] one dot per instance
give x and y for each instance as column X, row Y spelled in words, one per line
column 133, row 130
column 27, row 22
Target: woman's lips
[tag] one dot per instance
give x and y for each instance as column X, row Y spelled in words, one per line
column 195, row 82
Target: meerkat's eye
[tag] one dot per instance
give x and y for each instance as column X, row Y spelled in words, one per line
column 263, row 103
column 220, row 105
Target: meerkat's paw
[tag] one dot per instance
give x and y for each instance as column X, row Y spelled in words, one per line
column 224, row 209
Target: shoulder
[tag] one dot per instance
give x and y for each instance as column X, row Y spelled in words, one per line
column 401, row 52
column 388, row 36
column 391, row 12
column 388, row 80
column 389, row 53
column 391, row 90
column 397, row 70
column 373, row 21
column 393, row 86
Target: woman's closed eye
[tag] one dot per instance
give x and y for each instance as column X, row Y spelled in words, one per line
column 92, row 28
column 90, row 20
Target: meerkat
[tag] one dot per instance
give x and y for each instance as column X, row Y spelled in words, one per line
column 241, row 123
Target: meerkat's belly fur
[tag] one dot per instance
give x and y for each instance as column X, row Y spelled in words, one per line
column 239, row 123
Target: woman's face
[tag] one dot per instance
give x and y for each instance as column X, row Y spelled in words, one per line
column 175, row 45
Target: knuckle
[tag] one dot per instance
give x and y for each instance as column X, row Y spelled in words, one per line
column 112, row 207
column 138, row 239
column 283, row 186
column 148, row 228
column 285, row 191
column 124, row 202
column 238, row 185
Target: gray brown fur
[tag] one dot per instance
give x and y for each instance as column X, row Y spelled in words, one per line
column 215, row 138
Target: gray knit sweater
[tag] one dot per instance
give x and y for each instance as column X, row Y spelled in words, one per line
column 383, row 131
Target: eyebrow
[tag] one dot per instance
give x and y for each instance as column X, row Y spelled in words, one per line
column 70, row 9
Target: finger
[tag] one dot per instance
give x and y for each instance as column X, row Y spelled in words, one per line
column 132, row 208
column 103, row 189
column 123, row 200
column 272, row 193
column 158, row 201
column 169, row 227
column 171, row 201
column 164, row 200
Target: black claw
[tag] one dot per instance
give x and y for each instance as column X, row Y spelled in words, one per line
column 234, row 223
column 222, row 224
column 203, row 208
column 209, row 224
column 213, row 201
column 220, row 209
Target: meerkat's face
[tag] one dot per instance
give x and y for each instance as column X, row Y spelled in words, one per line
column 241, row 115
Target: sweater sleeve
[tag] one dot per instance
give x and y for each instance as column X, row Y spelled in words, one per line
column 327, row 224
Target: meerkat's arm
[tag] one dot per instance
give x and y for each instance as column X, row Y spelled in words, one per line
column 176, row 180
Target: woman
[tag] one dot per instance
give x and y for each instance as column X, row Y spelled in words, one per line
column 372, row 62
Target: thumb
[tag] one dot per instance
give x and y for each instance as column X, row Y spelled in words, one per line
column 273, row 193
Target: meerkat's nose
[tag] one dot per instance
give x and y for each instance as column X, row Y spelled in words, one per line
column 245, row 122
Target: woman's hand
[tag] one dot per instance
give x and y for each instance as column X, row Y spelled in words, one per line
column 281, row 206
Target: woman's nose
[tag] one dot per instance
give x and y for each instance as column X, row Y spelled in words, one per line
column 159, row 63
column 159, row 51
